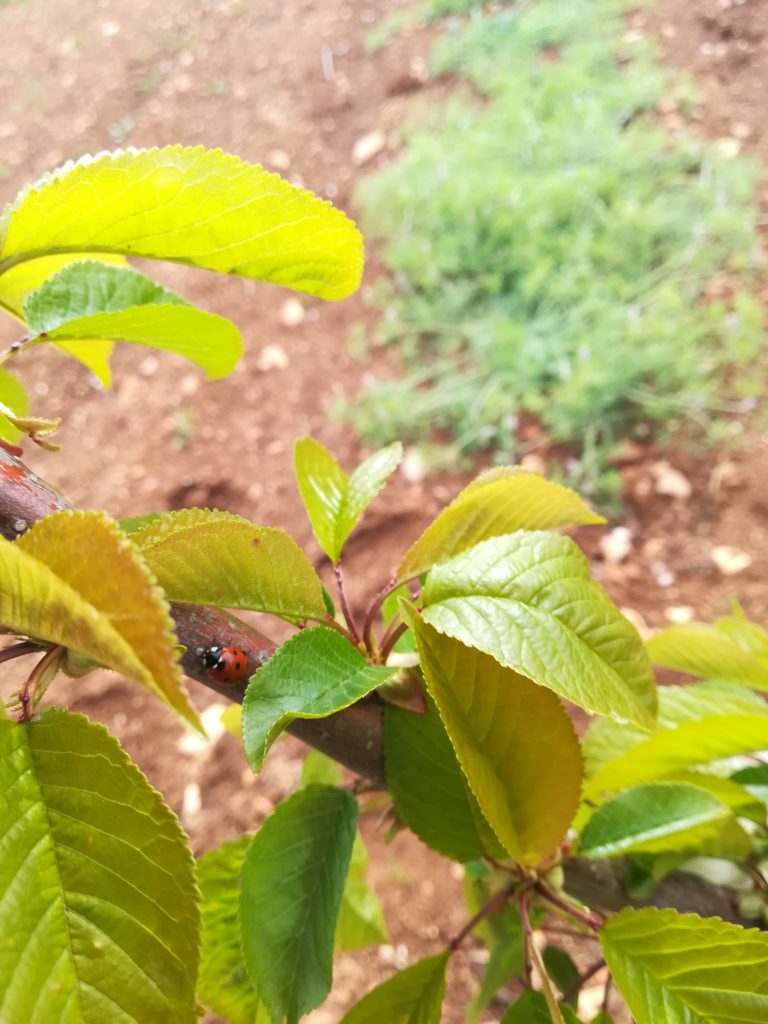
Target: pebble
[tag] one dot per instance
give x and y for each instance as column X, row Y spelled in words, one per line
column 616, row 545
column 368, row 146
column 730, row 561
column 670, row 481
column 272, row 357
column 679, row 614
column 292, row 313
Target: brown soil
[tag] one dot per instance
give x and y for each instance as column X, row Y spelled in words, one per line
column 290, row 85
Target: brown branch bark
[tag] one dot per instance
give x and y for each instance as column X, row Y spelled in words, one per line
column 352, row 737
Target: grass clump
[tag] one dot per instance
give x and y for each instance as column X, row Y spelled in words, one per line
column 551, row 248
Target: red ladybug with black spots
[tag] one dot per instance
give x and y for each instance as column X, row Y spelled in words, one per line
column 225, row 664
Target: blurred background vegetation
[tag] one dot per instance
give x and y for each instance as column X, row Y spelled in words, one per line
column 564, row 273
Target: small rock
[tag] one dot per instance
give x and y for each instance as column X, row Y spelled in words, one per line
column 616, row 545
column 292, row 313
column 413, row 467
column 534, row 463
column 272, row 357
column 662, row 574
column 670, row 481
column 109, row 29
column 368, row 146
column 679, row 614
column 726, row 476
column 278, row 159
column 148, row 366
column 730, row 560
column 191, row 801
column 729, row 148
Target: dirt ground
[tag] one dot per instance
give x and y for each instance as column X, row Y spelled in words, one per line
column 289, row 84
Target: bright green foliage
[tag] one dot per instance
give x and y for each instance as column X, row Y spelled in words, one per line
column 499, row 501
column 527, row 600
column 13, row 400
column 361, row 920
column 105, row 608
column 531, row 1008
column 691, row 745
column 412, row 996
column 730, row 649
column 428, row 788
column 754, row 779
column 23, row 279
column 606, row 739
column 551, row 246
column 88, row 302
column 188, row 205
column 208, row 557
column 314, row 674
column 679, row 969
column 333, row 500
column 291, row 886
column 662, row 816
column 224, row 984
column 513, row 739
column 99, row 916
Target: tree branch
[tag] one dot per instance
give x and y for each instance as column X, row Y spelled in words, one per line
column 353, row 737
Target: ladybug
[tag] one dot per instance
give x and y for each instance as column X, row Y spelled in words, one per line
column 225, row 664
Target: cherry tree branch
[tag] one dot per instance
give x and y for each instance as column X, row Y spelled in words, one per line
column 353, row 737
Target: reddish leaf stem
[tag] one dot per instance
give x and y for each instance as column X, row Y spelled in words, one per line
column 389, row 640
column 379, row 598
column 583, row 979
column 348, row 616
column 525, row 917
column 330, row 621
column 496, row 902
column 18, row 650
column 588, row 920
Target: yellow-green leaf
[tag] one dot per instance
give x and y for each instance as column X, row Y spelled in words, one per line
column 217, row 558
column 499, row 501
column 14, row 399
column 333, row 500
column 75, row 580
column 513, row 739
column 188, row 205
column 703, row 650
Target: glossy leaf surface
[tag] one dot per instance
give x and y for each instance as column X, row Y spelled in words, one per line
column 412, row 996
column 527, row 600
column 681, row 969
column 199, row 207
column 314, row 673
column 705, row 650
column 291, row 886
column 99, row 916
column 499, row 501
column 217, row 558
column 513, row 739
column 105, row 608
column 333, row 500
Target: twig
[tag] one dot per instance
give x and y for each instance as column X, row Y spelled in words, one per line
column 379, row 598
column 496, row 902
column 607, row 994
column 348, row 616
column 583, row 979
column 525, row 917
column 590, row 921
column 19, row 650
column 388, row 642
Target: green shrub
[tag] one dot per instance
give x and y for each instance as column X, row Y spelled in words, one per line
column 550, row 247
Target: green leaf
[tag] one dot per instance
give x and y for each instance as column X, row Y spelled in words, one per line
column 653, row 818
column 531, row 1008
column 501, row 500
column 131, row 524
column 513, row 739
column 319, row 770
column 224, row 984
column 18, row 282
column 708, row 651
column 428, row 789
column 681, row 969
column 754, row 779
column 506, row 959
column 412, row 996
column 361, row 919
column 14, row 398
column 291, row 886
column 527, row 600
column 105, row 608
column 333, row 500
column 90, row 301
column 690, row 745
column 314, row 674
column 99, row 913
column 606, row 739
column 563, row 972
column 187, row 205
column 217, row 558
